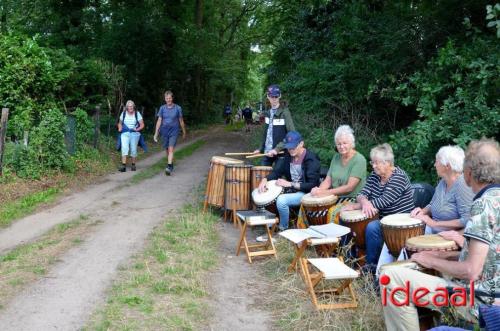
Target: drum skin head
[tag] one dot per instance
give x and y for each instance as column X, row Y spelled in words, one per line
column 225, row 160
column 429, row 242
column 402, row 219
column 405, row 263
column 309, row 200
column 352, row 215
column 266, row 198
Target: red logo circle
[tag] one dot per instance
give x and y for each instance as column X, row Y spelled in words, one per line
column 384, row 280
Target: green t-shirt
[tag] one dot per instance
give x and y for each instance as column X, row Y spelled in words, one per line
column 356, row 167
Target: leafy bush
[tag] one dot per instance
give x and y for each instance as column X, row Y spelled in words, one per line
column 457, row 99
column 84, row 128
column 48, row 140
column 22, row 160
column 31, row 79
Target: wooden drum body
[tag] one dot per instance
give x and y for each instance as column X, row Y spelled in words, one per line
column 431, row 242
column 357, row 222
column 258, row 173
column 216, row 179
column 397, row 228
column 237, row 187
column 316, row 209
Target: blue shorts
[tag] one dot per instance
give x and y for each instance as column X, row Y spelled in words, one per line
column 169, row 136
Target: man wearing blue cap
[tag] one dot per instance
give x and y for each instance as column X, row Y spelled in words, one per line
column 298, row 172
column 278, row 122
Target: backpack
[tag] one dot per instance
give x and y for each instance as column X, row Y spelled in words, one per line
column 136, row 119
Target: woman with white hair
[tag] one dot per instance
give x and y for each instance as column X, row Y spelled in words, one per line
column 449, row 208
column 130, row 125
column 387, row 191
column 347, row 173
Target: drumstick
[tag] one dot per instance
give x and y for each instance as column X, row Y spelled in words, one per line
column 240, row 153
column 258, row 155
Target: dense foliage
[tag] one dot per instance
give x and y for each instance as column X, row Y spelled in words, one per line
column 414, row 73
column 71, row 54
column 419, row 74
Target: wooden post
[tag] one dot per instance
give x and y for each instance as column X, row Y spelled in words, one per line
column 3, row 132
column 109, row 123
column 97, row 126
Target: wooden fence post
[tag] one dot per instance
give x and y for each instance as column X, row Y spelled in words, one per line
column 3, row 132
column 97, row 126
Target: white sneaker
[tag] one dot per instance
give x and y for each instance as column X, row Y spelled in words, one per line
column 264, row 239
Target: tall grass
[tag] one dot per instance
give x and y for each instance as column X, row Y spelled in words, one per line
column 26, row 205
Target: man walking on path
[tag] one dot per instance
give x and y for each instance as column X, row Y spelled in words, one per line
column 169, row 123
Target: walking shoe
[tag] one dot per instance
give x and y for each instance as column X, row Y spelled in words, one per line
column 133, row 168
column 122, row 168
column 168, row 171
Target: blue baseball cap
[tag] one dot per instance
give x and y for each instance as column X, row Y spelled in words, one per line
column 292, row 139
column 273, row 91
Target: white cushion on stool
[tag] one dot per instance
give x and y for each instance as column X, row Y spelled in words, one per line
column 322, row 241
column 333, row 268
column 261, row 222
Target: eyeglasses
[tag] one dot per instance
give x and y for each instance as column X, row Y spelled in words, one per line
column 376, row 162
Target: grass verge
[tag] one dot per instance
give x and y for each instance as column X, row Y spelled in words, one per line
column 26, row 205
column 164, row 287
column 160, row 165
column 292, row 308
column 27, row 263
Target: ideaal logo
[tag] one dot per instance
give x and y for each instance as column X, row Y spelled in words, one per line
column 441, row 297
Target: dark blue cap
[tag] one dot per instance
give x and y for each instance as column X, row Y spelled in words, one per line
column 273, row 91
column 292, row 139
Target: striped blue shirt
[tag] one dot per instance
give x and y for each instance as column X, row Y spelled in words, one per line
column 451, row 205
column 393, row 197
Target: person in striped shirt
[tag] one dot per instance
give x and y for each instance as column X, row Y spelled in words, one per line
column 387, row 191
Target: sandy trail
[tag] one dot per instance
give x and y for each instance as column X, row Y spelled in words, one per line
column 76, row 285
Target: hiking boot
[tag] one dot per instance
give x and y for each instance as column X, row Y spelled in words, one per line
column 133, row 168
column 122, row 168
column 168, row 171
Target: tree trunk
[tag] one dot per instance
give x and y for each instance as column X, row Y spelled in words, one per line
column 197, row 70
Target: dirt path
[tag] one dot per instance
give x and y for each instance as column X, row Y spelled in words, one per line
column 237, row 289
column 76, row 285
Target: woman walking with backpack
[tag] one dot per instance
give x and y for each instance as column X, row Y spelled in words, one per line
column 130, row 125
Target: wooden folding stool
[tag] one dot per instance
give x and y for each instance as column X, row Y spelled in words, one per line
column 258, row 249
column 325, row 248
column 330, row 269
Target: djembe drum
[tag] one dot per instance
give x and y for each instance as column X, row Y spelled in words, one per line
column 258, row 173
column 268, row 198
column 397, row 228
column 404, row 263
column 429, row 242
column 216, row 179
column 316, row 208
column 237, row 187
column 316, row 212
column 357, row 222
